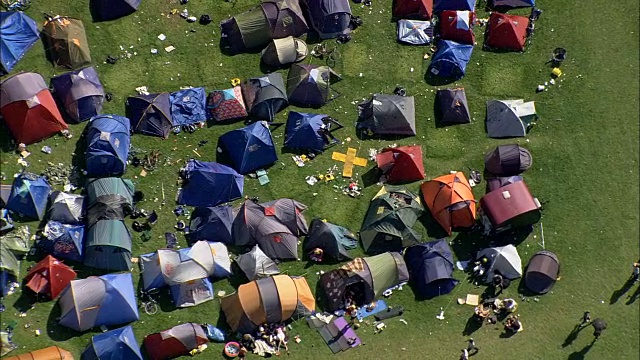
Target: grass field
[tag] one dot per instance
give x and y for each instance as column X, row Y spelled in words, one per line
column 585, row 149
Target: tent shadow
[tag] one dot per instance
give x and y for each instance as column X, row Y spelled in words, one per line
column 434, row 230
column 370, row 177
column 466, row 243
column 7, row 144
column 616, row 295
column 506, row 334
column 321, row 298
column 523, row 289
column 438, row 80
column 27, row 300
column 579, row 355
column 472, row 326
column 56, row 331
column 513, row 237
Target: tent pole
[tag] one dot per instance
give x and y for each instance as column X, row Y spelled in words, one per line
column 542, row 235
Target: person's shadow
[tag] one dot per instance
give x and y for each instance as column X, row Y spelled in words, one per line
column 623, row 290
column 573, row 335
column 634, row 297
column 579, row 355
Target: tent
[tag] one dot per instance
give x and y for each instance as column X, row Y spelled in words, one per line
column 6, row 343
column 415, row 32
column 329, row 18
column 29, row 196
column 115, row 344
column 188, row 106
column 17, row 241
column 66, row 208
column 6, row 222
column 50, row 353
column 267, row 301
column 284, row 51
column 451, row 107
column 441, row 5
column 508, row 160
column 272, row 19
column 457, row 26
column 542, row 272
column 509, row 4
column 511, row 206
column 310, row 85
column 312, row 132
column 211, row 224
column 450, row 60
column 498, row 182
column 388, row 115
column 334, row 240
column 9, row 268
column 192, row 293
column 413, row 9
column 19, row 34
column 66, row 42
column 28, row 108
column 65, row 242
column 208, row 184
column 108, row 141
column 113, row 9
column 80, row 93
column 389, row 221
column 226, row 104
column 430, row 268
column 256, row 265
column 98, row 300
column 264, row 96
column 249, row 148
column 401, row 164
column 450, row 200
column 506, row 32
column 510, row 118
column 363, row 279
column 503, row 259
column 174, row 342
column 177, row 267
column 150, row 114
column 275, row 226
column 49, row 277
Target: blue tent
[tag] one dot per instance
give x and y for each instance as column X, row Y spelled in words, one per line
column 441, row 5
column 64, row 242
column 19, row 33
column 29, row 196
column 209, row 184
column 98, row 300
column 80, row 92
column 430, row 267
column 211, row 224
column 450, row 61
column 188, row 106
column 115, row 344
column 307, row 131
column 113, row 9
column 249, row 148
column 108, row 140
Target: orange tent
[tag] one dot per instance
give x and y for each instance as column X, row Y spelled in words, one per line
column 50, row 353
column 450, row 200
column 50, row 276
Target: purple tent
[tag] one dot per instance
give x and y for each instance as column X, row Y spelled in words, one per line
column 80, row 93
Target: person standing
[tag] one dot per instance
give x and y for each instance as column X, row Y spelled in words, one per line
column 498, row 283
column 636, row 271
column 586, row 319
column 464, row 355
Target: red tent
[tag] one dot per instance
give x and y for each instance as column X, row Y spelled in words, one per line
column 508, row 32
column 457, row 26
column 401, row 164
column 413, row 9
column 28, row 108
column 50, row 276
column 174, row 342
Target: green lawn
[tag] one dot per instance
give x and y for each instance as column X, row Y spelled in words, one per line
column 585, row 149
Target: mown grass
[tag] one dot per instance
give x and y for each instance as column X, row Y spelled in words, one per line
column 585, row 149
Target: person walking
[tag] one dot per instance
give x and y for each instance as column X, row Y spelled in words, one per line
column 498, row 283
column 472, row 349
column 586, row 319
column 636, row 271
column 464, row 355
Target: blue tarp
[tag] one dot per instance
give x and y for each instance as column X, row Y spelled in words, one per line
column 303, row 131
column 108, row 140
column 113, row 9
column 64, row 242
column 29, row 196
column 430, row 268
column 188, row 106
column 249, row 148
column 115, row 344
column 441, row 5
column 80, row 92
column 211, row 224
column 209, row 184
column 19, row 33
column 450, row 61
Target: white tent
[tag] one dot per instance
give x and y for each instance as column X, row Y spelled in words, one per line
column 66, row 208
column 415, row 32
column 504, row 259
column 255, row 264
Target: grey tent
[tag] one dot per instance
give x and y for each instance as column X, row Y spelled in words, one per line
column 389, row 221
column 264, row 96
column 9, row 268
column 509, row 118
column 415, row 32
column 503, row 259
column 310, row 85
column 329, row 18
column 284, row 51
column 451, row 107
column 80, row 92
column 150, row 114
column 507, row 160
column 542, row 272
column 66, row 208
column 387, row 115
column 255, row 264
column 334, row 240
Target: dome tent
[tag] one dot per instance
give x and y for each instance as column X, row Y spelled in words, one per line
column 150, row 114
column 401, row 164
column 208, row 184
column 264, row 96
column 284, row 51
column 450, row 200
column 387, row 115
column 542, row 272
column 113, row 9
column 256, row 265
column 503, row 259
column 508, row 160
column 108, row 142
column 66, row 208
column 509, row 118
column 211, row 224
column 174, row 342
column 450, row 60
column 29, row 196
column 431, row 267
column 312, row 132
column 49, row 277
column 329, row 18
column 248, row 149
column 334, row 240
column 66, row 42
column 415, row 32
column 80, row 92
column 19, row 34
column 451, row 107
column 115, row 344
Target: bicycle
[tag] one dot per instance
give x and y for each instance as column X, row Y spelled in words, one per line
column 332, row 55
column 16, row 5
column 148, row 301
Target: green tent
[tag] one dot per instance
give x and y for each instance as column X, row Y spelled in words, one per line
column 66, row 42
column 17, row 241
column 389, row 221
column 9, row 268
column 310, row 85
